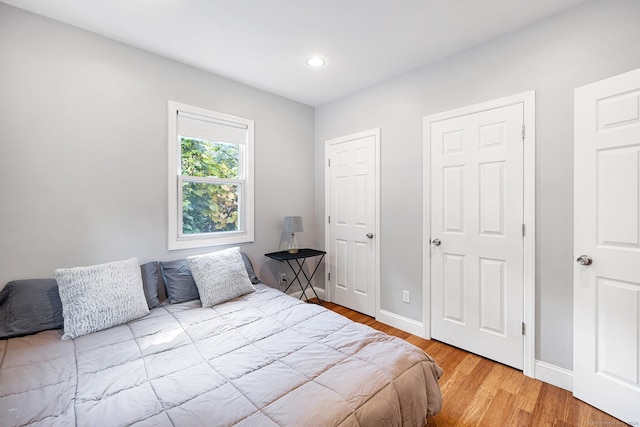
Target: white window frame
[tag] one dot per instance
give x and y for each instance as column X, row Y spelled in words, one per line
column 177, row 240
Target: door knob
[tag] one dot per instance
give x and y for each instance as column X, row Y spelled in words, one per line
column 436, row 242
column 584, row 260
column 369, row 235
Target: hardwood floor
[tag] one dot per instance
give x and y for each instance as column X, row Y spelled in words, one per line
column 479, row 392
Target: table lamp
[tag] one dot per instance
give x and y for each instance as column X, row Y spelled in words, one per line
column 293, row 225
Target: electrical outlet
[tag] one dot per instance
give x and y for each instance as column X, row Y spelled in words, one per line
column 405, row 296
column 283, row 278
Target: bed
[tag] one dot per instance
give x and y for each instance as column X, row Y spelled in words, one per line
column 260, row 359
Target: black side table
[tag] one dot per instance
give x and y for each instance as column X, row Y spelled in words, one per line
column 299, row 257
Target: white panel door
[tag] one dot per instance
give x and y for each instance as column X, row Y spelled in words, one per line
column 476, row 233
column 606, row 353
column 352, row 240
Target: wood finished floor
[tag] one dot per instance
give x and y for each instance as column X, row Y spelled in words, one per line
column 479, row 392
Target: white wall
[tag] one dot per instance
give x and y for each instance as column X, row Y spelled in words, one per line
column 83, row 150
column 594, row 41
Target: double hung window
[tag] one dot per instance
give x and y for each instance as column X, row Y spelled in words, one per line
column 210, row 178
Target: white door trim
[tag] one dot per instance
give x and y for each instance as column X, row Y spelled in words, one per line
column 327, row 200
column 528, row 100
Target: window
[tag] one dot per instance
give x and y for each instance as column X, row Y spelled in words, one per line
column 210, row 178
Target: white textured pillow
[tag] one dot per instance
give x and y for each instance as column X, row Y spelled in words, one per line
column 100, row 296
column 220, row 276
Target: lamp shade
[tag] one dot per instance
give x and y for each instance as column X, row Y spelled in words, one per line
column 292, row 224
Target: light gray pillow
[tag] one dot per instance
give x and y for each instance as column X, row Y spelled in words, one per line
column 220, row 276
column 100, row 296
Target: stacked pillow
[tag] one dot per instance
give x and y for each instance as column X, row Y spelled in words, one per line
column 100, row 296
column 88, row 299
column 220, row 276
column 179, row 280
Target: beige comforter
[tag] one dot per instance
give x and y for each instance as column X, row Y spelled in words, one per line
column 264, row 359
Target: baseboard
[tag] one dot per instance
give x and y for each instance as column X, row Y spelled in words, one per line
column 545, row 372
column 309, row 294
column 321, row 293
column 553, row 375
column 403, row 323
column 400, row 322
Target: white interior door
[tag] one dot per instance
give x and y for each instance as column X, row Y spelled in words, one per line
column 606, row 352
column 352, row 220
column 477, row 232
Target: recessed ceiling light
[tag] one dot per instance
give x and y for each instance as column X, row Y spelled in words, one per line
column 315, row 62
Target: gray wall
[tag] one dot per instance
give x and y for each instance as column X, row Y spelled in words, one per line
column 83, row 150
column 83, row 147
column 552, row 57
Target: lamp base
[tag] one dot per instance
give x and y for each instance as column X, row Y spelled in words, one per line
column 293, row 244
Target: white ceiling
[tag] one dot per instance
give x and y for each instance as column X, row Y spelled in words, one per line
column 264, row 43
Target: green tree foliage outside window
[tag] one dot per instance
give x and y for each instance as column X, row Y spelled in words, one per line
column 209, row 206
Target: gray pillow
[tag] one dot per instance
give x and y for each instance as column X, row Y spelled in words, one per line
column 150, row 283
column 220, row 276
column 100, row 296
column 29, row 306
column 252, row 275
column 178, row 281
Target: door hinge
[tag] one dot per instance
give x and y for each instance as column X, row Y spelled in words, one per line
column 329, row 162
column 523, row 328
column 523, row 132
column 329, row 276
column 329, row 219
column 523, row 230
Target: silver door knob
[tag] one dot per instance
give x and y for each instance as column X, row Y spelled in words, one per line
column 436, row 242
column 584, row 260
column 369, row 235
